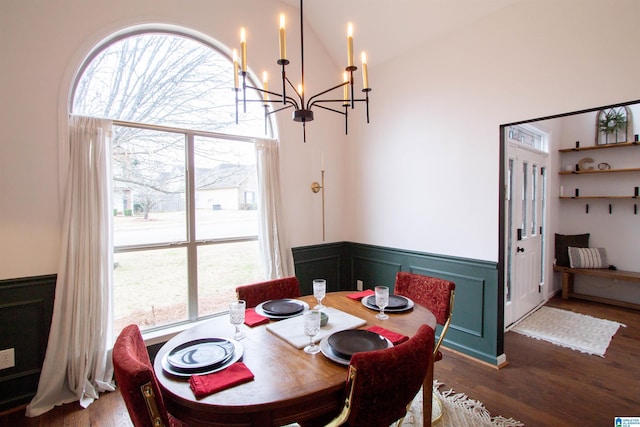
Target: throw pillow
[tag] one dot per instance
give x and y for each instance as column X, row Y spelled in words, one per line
column 563, row 241
column 587, row 257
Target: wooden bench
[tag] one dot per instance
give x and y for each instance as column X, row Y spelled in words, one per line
column 569, row 273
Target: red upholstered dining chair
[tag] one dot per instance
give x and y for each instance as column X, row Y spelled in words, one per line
column 433, row 293
column 437, row 296
column 382, row 383
column 255, row 293
column 137, row 381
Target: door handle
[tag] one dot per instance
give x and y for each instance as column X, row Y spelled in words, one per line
column 520, row 249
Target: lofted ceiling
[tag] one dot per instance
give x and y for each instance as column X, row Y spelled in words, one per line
column 387, row 28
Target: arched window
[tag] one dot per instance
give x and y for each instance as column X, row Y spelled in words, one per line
column 183, row 175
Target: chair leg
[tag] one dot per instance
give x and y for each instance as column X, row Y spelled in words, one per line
column 437, row 409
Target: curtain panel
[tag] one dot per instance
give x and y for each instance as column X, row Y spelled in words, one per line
column 276, row 253
column 77, row 364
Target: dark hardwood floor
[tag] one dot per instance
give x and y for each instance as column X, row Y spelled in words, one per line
column 543, row 384
column 548, row 385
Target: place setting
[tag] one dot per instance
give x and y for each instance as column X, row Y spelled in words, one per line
column 280, row 309
column 208, row 355
column 211, row 364
column 340, row 346
column 383, row 302
column 202, row 356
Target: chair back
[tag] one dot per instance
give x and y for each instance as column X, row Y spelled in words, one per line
column 255, row 293
column 381, row 384
column 431, row 292
column 137, row 381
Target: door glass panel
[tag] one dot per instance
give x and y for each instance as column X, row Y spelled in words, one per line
column 509, row 228
column 543, row 207
column 534, row 201
column 525, row 198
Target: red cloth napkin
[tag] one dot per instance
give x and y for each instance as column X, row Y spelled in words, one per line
column 251, row 318
column 204, row 385
column 361, row 294
column 394, row 337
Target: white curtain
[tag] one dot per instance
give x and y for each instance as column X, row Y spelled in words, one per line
column 276, row 253
column 77, row 363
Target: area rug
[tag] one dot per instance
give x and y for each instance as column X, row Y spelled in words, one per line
column 458, row 410
column 576, row 331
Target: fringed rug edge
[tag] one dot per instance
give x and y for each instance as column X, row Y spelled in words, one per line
column 462, row 401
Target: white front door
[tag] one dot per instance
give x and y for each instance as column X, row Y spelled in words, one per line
column 525, row 203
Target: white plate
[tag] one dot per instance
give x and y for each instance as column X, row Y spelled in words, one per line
column 261, row 312
column 325, row 349
column 237, row 355
column 409, row 306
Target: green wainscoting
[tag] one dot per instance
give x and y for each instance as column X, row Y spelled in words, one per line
column 476, row 327
column 26, row 307
column 330, row 262
column 26, row 304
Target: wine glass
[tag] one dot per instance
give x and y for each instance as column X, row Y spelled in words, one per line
column 319, row 291
column 382, row 300
column 236, row 312
column 311, row 329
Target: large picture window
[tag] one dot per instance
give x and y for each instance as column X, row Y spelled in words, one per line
column 183, row 177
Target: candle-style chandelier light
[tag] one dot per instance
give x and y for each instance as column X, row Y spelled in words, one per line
column 302, row 105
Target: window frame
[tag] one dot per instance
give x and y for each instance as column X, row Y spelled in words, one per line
column 191, row 243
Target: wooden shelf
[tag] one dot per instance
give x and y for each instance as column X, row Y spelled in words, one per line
column 599, row 171
column 598, row 197
column 601, row 147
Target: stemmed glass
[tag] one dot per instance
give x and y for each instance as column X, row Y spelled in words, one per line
column 311, row 329
column 382, row 300
column 236, row 312
column 319, row 291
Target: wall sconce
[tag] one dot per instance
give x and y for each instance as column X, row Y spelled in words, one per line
column 316, row 188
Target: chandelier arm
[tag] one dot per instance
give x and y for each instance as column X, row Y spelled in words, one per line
column 318, row 102
column 280, row 109
column 288, row 99
column 294, row 89
column 329, row 109
column 311, row 101
column 291, row 103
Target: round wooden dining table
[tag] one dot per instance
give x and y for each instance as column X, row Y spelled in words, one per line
column 289, row 385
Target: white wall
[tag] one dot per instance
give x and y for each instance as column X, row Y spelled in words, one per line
column 423, row 175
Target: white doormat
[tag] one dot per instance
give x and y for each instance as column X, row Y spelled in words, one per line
column 576, row 331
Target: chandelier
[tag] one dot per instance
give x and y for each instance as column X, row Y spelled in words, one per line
column 296, row 99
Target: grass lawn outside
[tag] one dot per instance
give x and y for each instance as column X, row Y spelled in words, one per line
column 151, row 286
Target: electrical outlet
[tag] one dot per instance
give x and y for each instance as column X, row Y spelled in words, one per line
column 359, row 284
column 7, row 358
